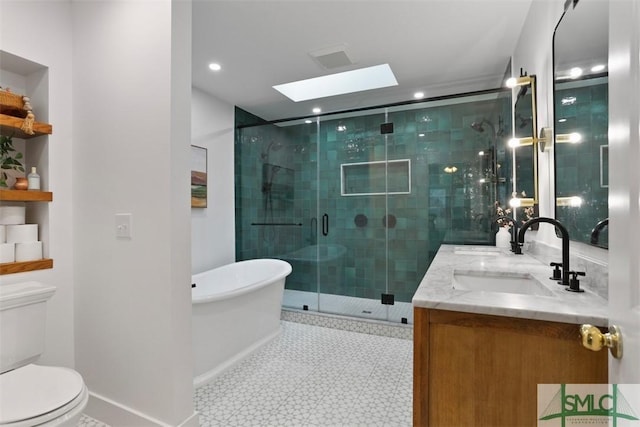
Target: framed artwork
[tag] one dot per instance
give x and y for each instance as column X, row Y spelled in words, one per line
column 198, row 177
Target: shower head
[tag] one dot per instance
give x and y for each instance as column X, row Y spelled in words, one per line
column 477, row 126
column 273, row 146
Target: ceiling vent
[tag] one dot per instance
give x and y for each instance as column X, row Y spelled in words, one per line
column 332, row 57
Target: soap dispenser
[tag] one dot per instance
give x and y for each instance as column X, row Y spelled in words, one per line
column 33, row 179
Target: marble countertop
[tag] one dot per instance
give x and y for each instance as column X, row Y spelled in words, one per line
column 436, row 288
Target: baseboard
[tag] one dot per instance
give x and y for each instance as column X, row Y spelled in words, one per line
column 116, row 414
column 208, row 376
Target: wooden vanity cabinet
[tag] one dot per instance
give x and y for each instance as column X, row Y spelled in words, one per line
column 483, row 370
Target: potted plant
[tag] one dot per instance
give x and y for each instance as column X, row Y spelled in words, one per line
column 9, row 159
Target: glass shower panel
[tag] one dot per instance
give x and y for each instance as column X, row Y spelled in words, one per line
column 302, row 290
column 275, row 212
column 458, row 163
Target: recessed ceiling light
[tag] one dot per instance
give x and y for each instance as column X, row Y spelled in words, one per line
column 308, row 121
column 597, row 68
column 214, row 66
column 562, row 120
column 375, row 77
column 317, row 110
column 418, row 95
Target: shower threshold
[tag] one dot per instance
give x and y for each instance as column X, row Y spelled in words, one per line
column 348, row 306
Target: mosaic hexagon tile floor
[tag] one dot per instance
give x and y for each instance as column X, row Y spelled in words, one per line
column 313, row 376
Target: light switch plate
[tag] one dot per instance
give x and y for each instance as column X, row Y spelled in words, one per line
column 123, row 225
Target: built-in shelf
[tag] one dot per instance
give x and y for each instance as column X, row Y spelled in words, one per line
column 376, row 178
column 10, row 126
column 21, row 267
column 25, row 196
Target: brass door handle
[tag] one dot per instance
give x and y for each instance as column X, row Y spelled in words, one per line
column 595, row 340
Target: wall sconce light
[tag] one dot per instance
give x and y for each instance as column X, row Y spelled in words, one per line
column 520, row 142
column 521, row 202
column 450, row 169
column 571, row 201
column 518, row 81
column 570, row 138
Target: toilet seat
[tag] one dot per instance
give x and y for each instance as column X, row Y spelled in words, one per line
column 34, row 395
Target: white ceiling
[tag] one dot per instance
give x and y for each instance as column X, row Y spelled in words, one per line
column 440, row 47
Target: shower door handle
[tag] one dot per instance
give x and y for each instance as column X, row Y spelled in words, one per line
column 325, row 225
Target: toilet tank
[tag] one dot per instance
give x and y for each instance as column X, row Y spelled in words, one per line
column 22, row 323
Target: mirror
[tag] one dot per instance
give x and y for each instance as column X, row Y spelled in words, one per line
column 523, row 144
column 580, row 94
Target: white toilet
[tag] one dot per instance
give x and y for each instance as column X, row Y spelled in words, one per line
column 33, row 395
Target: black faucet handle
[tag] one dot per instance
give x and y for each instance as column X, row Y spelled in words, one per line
column 557, row 274
column 574, row 283
column 516, row 248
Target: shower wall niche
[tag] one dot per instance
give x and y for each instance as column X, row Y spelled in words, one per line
column 360, row 213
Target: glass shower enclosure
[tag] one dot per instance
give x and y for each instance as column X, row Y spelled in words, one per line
column 359, row 202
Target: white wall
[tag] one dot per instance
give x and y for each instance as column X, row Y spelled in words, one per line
column 131, row 83
column 40, row 31
column 213, row 228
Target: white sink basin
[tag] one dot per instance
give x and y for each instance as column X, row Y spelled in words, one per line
column 477, row 250
column 503, row 282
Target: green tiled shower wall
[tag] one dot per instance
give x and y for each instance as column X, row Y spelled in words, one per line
column 288, row 176
column 584, row 108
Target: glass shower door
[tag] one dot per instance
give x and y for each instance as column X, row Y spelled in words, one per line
column 352, row 250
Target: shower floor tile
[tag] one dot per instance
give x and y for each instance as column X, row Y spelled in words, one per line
column 314, row 376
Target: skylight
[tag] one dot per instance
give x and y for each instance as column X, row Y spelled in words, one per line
column 340, row 83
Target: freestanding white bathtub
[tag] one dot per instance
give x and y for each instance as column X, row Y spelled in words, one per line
column 236, row 309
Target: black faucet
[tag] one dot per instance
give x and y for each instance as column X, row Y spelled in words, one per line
column 515, row 247
column 595, row 233
column 565, row 243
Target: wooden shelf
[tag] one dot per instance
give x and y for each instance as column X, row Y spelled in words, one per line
column 20, row 267
column 10, row 126
column 25, row 195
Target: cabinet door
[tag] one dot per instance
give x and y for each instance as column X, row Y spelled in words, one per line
column 484, row 370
